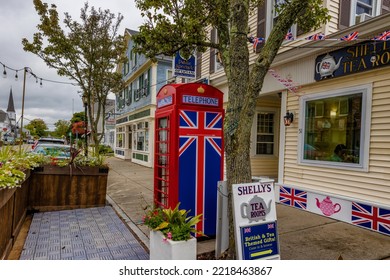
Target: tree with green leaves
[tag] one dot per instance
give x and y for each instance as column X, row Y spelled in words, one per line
column 77, row 117
column 182, row 25
column 87, row 53
column 62, row 127
column 37, row 128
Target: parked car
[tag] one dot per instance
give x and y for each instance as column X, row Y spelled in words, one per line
column 48, row 140
column 56, row 151
column 30, row 141
column 9, row 140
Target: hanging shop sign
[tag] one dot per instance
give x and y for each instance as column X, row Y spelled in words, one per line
column 352, row 59
column 184, row 67
column 255, row 221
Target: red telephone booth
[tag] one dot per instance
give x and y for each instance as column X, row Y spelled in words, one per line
column 189, row 150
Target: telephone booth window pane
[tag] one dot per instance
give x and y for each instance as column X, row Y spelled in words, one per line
column 163, row 162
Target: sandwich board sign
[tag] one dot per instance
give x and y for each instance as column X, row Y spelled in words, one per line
column 255, row 221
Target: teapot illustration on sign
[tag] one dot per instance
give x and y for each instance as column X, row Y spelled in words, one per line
column 327, row 66
column 256, row 209
column 327, row 207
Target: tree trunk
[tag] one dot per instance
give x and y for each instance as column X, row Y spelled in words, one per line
column 244, row 89
column 237, row 157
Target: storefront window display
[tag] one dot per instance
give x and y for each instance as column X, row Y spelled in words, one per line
column 334, row 129
column 141, row 141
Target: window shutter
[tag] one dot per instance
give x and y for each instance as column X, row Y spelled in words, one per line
column 385, row 6
column 344, row 14
column 212, row 51
column 198, row 65
column 261, row 23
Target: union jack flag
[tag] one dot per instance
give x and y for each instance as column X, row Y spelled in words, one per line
column 247, row 230
column 256, row 41
column 350, row 37
column 289, row 36
column 371, row 217
column 200, row 152
column 293, row 197
column 385, row 36
column 316, row 37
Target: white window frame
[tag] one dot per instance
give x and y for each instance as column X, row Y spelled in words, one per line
column 120, row 133
column 270, row 20
column 141, row 127
column 218, row 65
column 366, row 91
column 169, row 76
column 276, row 132
column 376, row 9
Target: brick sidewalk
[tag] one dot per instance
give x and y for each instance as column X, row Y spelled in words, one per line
column 81, row 234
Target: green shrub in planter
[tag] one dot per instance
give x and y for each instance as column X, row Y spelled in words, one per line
column 14, row 164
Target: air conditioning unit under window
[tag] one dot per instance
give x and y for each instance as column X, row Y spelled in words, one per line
column 362, row 17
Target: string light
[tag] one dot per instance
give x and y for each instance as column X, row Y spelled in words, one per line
column 29, row 70
column 4, row 72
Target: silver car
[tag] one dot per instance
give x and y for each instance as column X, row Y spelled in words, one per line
column 55, row 151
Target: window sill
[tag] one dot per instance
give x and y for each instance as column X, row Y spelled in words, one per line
column 337, row 165
column 265, row 156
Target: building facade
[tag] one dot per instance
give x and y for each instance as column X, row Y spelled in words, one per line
column 334, row 158
column 136, row 104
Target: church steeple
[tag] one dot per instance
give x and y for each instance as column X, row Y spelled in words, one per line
column 11, row 108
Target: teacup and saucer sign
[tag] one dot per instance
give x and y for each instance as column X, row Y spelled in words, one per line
column 255, row 221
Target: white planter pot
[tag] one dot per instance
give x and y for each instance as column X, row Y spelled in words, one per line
column 161, row 249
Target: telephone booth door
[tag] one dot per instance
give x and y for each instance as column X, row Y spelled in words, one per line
column 165, row 191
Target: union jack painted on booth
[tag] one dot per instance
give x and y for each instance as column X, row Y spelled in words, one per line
column 293, row 197
column 200, row 164
column 371, row 217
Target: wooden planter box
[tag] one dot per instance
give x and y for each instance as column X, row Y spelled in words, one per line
column 6, row 217
column 60, row 188
column 49, row 188
column 13, row 209
column 20, row 206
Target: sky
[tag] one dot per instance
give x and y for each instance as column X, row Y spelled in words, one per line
column 53, row 101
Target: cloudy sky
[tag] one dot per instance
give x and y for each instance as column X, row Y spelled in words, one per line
column 52, row 101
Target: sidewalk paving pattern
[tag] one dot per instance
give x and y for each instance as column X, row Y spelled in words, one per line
column 81, row 234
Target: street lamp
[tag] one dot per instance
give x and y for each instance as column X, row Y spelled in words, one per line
column 85, row 101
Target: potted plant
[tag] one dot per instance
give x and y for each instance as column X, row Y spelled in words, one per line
column 171, row 235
